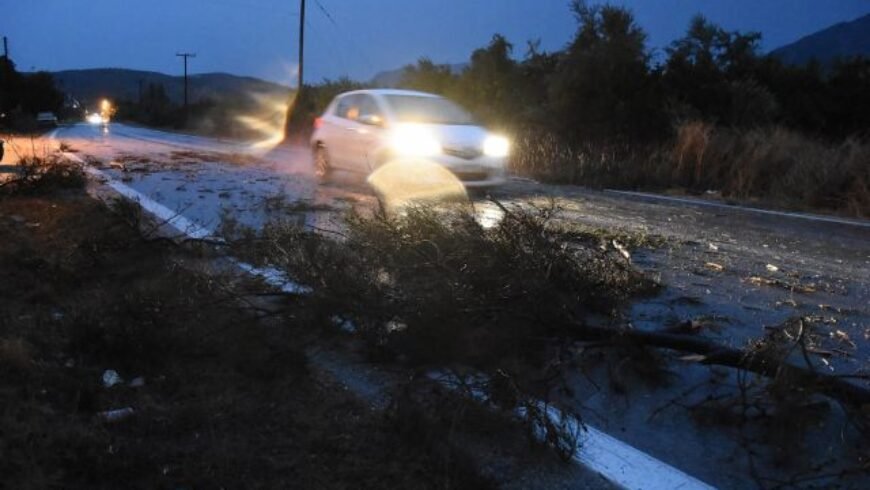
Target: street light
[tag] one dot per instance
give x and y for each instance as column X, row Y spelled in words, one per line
column 106, row 110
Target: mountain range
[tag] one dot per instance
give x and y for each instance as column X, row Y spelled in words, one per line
column 843, row 40
column 91, row 85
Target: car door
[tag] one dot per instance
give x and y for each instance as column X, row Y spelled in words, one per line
column 341, row 128
column 368, row 131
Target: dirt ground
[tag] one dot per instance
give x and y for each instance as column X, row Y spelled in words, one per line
column 217, row 400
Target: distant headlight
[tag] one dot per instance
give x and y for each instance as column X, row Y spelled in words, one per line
column 415, row 141
column 95, row 118
column 496, row 146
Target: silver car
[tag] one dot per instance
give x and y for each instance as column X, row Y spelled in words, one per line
column 362, row 130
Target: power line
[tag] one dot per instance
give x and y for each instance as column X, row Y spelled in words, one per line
column 344, row 34
column 325, row 12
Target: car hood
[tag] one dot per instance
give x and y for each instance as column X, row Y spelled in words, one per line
column 458, row 136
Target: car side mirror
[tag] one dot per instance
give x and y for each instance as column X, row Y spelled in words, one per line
column 371, row 120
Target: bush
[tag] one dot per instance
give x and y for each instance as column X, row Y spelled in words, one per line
column 440, row 289
column 773, row 165
column 776, row 165
column 45, row 174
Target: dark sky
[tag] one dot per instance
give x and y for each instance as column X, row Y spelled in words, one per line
column 357, row 37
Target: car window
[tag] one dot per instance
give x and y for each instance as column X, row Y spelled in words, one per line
column 358, row 106
column 348, row 107
column 368, row 106
column 432, row 110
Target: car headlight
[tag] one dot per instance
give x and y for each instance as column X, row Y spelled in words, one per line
column 416, row 141
column 496, row 146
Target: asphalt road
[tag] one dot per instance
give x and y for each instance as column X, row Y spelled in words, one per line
column 732, row 269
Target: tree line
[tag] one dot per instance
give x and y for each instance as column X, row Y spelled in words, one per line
column 23, row 95
column 606, row 84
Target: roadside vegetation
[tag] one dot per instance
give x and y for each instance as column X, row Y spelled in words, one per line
column 504, row 313
column 23, row 95
column 123, row 364
column 711, row 113
column 772, row 166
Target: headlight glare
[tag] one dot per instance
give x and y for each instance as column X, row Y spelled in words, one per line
column 496, row 146
column 416, row 141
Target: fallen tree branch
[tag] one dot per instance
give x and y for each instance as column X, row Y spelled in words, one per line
column 834, row 386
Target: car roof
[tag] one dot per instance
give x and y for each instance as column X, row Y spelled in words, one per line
column 390, row 91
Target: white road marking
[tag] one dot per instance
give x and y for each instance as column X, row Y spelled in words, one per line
column 699, row 202
column 175, row 219
column 187, row 227
column 628, row 467
column 619, row 463
column 616, row 461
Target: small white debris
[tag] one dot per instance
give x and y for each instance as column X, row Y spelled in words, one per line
column 394, row 326
column 694, row 358
column 714, row 266
column 772, row 268
column 622, row 250
column 713, row 247
column 111, row 378
column 117, row 415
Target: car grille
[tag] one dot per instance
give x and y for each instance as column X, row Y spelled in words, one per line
column 466, row 153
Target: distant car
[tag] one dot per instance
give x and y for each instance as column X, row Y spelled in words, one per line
column 46, row 120
column 362, row 130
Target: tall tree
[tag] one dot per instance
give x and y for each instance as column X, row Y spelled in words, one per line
column 427, row 76
column 603, row 88
column 712, row 74
column 489, row 84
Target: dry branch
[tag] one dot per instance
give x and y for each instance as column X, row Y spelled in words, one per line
column 834, row 386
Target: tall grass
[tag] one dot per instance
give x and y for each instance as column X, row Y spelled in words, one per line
column 772, row 165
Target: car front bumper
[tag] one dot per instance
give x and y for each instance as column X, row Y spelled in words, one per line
column 480, row 172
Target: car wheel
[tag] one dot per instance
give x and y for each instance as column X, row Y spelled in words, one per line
column 321, row 163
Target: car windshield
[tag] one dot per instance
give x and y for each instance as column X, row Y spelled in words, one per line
column 431, row 110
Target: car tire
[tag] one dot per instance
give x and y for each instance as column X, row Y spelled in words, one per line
column 322, row 169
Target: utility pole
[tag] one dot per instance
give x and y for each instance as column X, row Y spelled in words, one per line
column 186, row 56
column 301, row 44
column 300, row 80
column 5, row 47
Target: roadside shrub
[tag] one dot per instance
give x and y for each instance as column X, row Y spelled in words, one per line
column 542, row 155
column 39, row 175
column 774, row 165
column 436, row 287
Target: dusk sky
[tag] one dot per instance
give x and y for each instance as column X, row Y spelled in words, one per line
column 359, row 37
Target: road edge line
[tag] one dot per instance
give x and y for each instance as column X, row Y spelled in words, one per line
column 771, row 212
column 187, row 227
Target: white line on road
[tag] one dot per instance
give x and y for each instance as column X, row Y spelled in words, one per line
column 618, row 462
column 175, row 219
column 628, row 467
column 187, row 227
column 699, row 202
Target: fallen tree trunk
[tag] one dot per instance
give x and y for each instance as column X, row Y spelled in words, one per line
column 714, row 353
